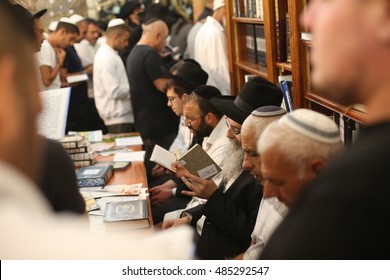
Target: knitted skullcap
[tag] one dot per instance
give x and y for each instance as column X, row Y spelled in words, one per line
column 53, row 25
column 67, row 20
column 268, row 111
column 77, row 18
column 116, row 22
column 312, row 125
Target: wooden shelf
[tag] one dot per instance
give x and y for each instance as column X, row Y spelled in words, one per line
column 248, row 20
column 346, row 111
column 284, row 66
column 252, row 68
column 306, row 43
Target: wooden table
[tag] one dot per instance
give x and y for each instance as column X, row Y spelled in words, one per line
column 133, row 174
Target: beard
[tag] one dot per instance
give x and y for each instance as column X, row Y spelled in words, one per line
column 204, row 130
column 233, row 162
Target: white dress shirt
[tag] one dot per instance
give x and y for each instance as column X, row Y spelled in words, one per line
column 87, row 53
column 111, row 87
column 183, row 139
column 271, row 213
column 216, row 146
column 212, row 54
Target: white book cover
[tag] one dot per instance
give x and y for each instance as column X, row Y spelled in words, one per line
column 77, row 78
column 52, row 120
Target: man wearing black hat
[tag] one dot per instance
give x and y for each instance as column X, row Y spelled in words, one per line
column 130, row 12
column 226, row 221
column 34, row 22
column 182, row 82
column 204, row 120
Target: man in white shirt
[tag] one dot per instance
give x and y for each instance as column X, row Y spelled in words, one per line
column 211, row 49
column 204, row 120
column 87, row 49
column 111, row 86
column 190, row 51
column 52, row 54
column 22, row 207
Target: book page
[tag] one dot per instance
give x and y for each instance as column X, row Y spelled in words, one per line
column 138, row 156
column 77, row 78
column 163, row 157
column 129, row 141
column 52, row 120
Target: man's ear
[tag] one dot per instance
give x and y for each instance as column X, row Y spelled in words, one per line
column 184, row 96
column 317, row 165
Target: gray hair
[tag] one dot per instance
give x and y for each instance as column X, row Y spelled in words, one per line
column 297, row 147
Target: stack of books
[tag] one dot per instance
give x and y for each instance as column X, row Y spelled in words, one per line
column 80, row 150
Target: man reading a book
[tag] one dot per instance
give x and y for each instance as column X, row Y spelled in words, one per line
column 204, row 120
column 227, row 219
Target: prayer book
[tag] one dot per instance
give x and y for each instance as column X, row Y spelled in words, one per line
column 77, row 78
column 195, row 160
column 52, row 119
column 93, row 176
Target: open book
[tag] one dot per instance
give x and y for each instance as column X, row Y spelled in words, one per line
column 195, row 160
column 52, row 120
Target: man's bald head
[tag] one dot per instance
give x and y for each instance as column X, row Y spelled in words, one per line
column 154, row 33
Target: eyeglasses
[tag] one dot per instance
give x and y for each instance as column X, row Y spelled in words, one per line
column 188, row 122
column 171, row 98
column 234, row 129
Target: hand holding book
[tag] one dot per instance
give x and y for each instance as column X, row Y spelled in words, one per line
column 179, row 169
column 202, row 188
column 195, row 160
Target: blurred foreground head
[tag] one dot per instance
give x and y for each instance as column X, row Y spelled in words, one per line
column 19, row 99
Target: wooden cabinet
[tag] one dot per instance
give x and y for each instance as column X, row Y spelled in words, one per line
column 275, row 13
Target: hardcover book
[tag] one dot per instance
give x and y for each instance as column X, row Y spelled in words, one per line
column 195, row 160
column 127, row 210
column 94, row 176
column 287, row 95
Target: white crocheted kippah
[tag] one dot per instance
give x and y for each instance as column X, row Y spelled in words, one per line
column 313, row 125
column 116, row 22
column 67, row 20
column 76, row 18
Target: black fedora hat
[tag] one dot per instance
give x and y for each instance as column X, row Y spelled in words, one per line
column 256, row 93
column 26, row 13
column 39, row 14
column 189, row 75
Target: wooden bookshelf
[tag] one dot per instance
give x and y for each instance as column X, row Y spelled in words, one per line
column 298, row 64
column 237, row 32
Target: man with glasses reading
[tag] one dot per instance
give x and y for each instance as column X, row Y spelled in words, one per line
column 204, row 120
column 226, row 220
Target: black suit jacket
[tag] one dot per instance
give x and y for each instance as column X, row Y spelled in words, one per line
column 230, row 219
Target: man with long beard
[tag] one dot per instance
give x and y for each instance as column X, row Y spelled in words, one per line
column 227, row 219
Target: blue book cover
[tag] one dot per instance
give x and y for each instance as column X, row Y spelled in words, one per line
column 287, row 95
column 93, row 176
